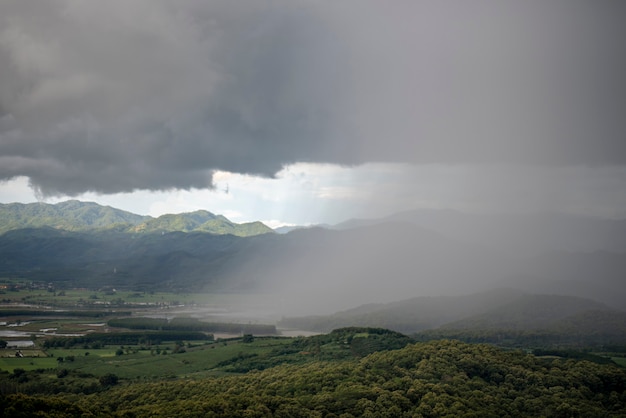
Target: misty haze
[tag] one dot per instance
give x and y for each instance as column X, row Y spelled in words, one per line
column 290, row 208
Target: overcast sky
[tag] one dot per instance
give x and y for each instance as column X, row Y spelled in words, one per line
column 315, row 111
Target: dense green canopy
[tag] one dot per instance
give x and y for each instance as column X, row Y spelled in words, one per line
column 434, row 379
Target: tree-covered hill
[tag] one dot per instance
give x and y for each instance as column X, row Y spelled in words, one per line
column 74, row 215
column 186, row 222
column 540, row 321
column 174, row 260
column 596, row 329
column 71, row 215
column 200, row 221
column 434, row 379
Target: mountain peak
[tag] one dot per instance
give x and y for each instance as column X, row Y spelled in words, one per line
column 75, row 215
column 71, row 215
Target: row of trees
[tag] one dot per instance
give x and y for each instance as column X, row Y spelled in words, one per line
column 190, row 324
column 96, row 340
column 518, row 338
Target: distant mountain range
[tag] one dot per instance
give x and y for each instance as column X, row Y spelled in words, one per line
column 312, row 269
column 74, row 215
column 503, row 316
column 498, row 308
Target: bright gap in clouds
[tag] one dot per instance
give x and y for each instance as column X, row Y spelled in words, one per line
column 305, row 193
column 300, row 194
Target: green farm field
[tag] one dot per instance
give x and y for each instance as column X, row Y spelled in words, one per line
column 10, row 363
column 87, row 297
column 619, row 361
column 195, row 359
column 17, row 294
column 200, row 360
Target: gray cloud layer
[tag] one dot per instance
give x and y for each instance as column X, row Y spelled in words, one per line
column 117, row 96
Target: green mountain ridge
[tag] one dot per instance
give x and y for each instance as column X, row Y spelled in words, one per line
column 71, row 215
column 74, row 215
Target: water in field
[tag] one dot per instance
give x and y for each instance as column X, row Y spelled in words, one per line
column 13, row 334
column 21, row 344
column 24, row 334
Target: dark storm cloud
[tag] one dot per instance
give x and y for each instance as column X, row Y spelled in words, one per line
column 117, row 96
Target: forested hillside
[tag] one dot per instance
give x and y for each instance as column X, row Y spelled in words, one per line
column 71, row 216
column 435, row 379
column 74, row 215
column 109, row 258
column 200, row 221
column 583, row 330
